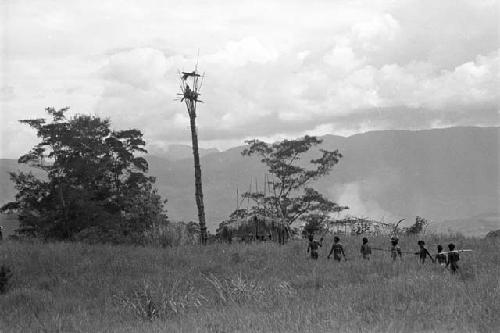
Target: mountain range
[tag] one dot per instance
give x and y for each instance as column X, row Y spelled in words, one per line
column 448, row 176
column 179, row 152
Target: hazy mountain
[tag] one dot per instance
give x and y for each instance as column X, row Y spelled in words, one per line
column 179, row 152
column 478, row 225
column 445, row 175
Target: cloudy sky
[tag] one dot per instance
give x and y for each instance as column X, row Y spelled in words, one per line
column 274, row 68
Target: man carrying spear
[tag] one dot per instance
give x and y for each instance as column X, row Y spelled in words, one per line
column 366, row 250
column 313, row 246
column 453, row 258
column 423, row 252
column 337, row 250
column 395, row 249
column 440, row 256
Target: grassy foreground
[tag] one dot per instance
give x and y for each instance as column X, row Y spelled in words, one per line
column 72, row 287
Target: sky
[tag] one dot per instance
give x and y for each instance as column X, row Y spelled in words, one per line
column 273, row 69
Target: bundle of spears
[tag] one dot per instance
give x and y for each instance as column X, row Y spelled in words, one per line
column 406, row 252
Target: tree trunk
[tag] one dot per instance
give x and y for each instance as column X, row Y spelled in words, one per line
column 197, row 177
column 66, row 232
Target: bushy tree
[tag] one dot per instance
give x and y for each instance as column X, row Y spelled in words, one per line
column 289, row 196
column 95, row 185
column 418, row 227
column 315, row 223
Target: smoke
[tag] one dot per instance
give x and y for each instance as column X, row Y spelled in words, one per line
column 351, row 196
column 365, row 197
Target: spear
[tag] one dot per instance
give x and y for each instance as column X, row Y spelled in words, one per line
column 455, row 251
column 385, row 250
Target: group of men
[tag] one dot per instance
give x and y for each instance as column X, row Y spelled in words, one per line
column 449, row 260
column 337, row 248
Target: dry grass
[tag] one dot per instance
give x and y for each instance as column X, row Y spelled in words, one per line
column 72, row 287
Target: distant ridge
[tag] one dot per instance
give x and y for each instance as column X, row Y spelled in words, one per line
column 179, row 152
column 444, row 175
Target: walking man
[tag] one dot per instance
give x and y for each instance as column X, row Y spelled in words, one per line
column 440, row 257
column 313, row 246
column 366, row 250
column 395, row 249
column 453, row 258
column 423, row 252
column 337, row 250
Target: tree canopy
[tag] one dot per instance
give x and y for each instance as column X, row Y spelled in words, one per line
column 96, row 184
column 290, row 197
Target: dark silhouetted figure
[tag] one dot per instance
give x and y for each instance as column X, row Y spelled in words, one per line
column 366, row 250
column 1, row 233
column 313, row 246
column 453, row 258
column 395, row 249
column 440, row 257
column 337, row 250
column 423, row 252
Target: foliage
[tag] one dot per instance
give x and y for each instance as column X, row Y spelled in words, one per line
column 418, row 227
column 96, row 184
column 315, row 223
column 169, row 234
column 493, row 234
column 289, row 198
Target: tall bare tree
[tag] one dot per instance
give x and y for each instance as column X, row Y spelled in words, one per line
column 191, row 83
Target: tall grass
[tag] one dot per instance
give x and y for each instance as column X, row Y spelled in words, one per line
column 73, row 287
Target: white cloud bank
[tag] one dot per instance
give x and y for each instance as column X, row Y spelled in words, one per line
column 274, row 69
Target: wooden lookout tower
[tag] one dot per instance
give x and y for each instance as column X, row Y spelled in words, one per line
column 190, row 85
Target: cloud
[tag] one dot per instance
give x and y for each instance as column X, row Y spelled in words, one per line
column 239, row 53
column 342, row 59
column 339, row 66
column 416, row 85
column 141, row 68
column 371, row 34
column 7, row 93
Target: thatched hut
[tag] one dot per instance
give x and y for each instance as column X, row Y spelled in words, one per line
column 253, row 227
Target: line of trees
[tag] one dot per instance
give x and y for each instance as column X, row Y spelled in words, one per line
column 96, row 188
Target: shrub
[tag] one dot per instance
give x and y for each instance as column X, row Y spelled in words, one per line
column 418, row 227
column 167, row 233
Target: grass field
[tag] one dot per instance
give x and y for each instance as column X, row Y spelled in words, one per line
column 73, row 287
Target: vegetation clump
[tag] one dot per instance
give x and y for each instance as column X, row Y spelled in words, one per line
column 94, row 187
column 287, row 195
column 418, row 227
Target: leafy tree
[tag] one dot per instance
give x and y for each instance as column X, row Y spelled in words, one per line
column 418, row 227
column 315, row 223
column 289, row 196
column 95, row 183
